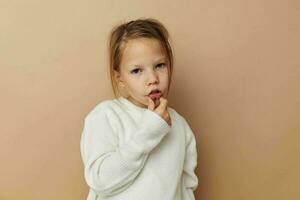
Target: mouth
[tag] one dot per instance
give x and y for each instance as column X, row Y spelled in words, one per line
column 155, row 94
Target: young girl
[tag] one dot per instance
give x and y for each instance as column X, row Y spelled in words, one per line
column 136, row 147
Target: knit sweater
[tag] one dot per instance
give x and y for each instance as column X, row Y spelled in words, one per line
column 132, row 153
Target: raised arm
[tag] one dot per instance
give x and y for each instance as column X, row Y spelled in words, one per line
column 109, row 166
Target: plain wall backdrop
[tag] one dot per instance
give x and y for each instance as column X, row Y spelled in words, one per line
column 236, row 81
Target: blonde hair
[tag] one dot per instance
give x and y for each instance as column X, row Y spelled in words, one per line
column 140, row 28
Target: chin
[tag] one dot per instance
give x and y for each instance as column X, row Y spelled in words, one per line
column 138, row 101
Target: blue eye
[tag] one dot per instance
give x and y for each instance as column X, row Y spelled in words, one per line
column 161, row 64
column 135, row 70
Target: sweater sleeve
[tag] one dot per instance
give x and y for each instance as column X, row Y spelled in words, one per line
column 111, row 167
column 190, row 180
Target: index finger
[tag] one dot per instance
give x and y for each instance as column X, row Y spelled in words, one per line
column 163, row 104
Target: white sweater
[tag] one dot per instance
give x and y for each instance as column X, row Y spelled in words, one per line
column 131, row 153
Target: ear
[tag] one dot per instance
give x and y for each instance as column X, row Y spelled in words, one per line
column 118, row 77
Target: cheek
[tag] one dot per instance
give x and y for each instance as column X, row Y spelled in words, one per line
column 136, row 86
column 165, row 78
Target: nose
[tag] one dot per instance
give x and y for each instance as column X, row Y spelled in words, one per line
column 152, row 77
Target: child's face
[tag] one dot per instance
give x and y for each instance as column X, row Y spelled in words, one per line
column 144, row 67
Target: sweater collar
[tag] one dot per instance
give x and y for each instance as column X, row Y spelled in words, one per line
column 130, row 105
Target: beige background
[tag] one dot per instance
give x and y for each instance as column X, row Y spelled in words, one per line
column 236, row 81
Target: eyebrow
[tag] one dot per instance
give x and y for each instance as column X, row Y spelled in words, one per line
column 161, row 59
column 157, row 61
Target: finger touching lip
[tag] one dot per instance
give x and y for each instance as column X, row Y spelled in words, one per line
column 156, row 95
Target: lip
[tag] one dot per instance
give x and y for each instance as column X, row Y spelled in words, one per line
column 154, row 90
column 156, row 95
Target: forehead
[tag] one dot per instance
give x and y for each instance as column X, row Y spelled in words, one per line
column 142, row 51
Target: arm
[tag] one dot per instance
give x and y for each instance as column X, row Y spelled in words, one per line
column 190, row 180
column 110, row 167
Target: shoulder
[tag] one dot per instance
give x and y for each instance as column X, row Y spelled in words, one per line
column 103, row 108
column 104, row 114
column 179, row 119
column 176, row 116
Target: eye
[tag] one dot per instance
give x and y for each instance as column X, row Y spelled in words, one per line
column 135, row 71
column 162, row 65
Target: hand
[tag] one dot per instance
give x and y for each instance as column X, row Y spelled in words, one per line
column 161, row 109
